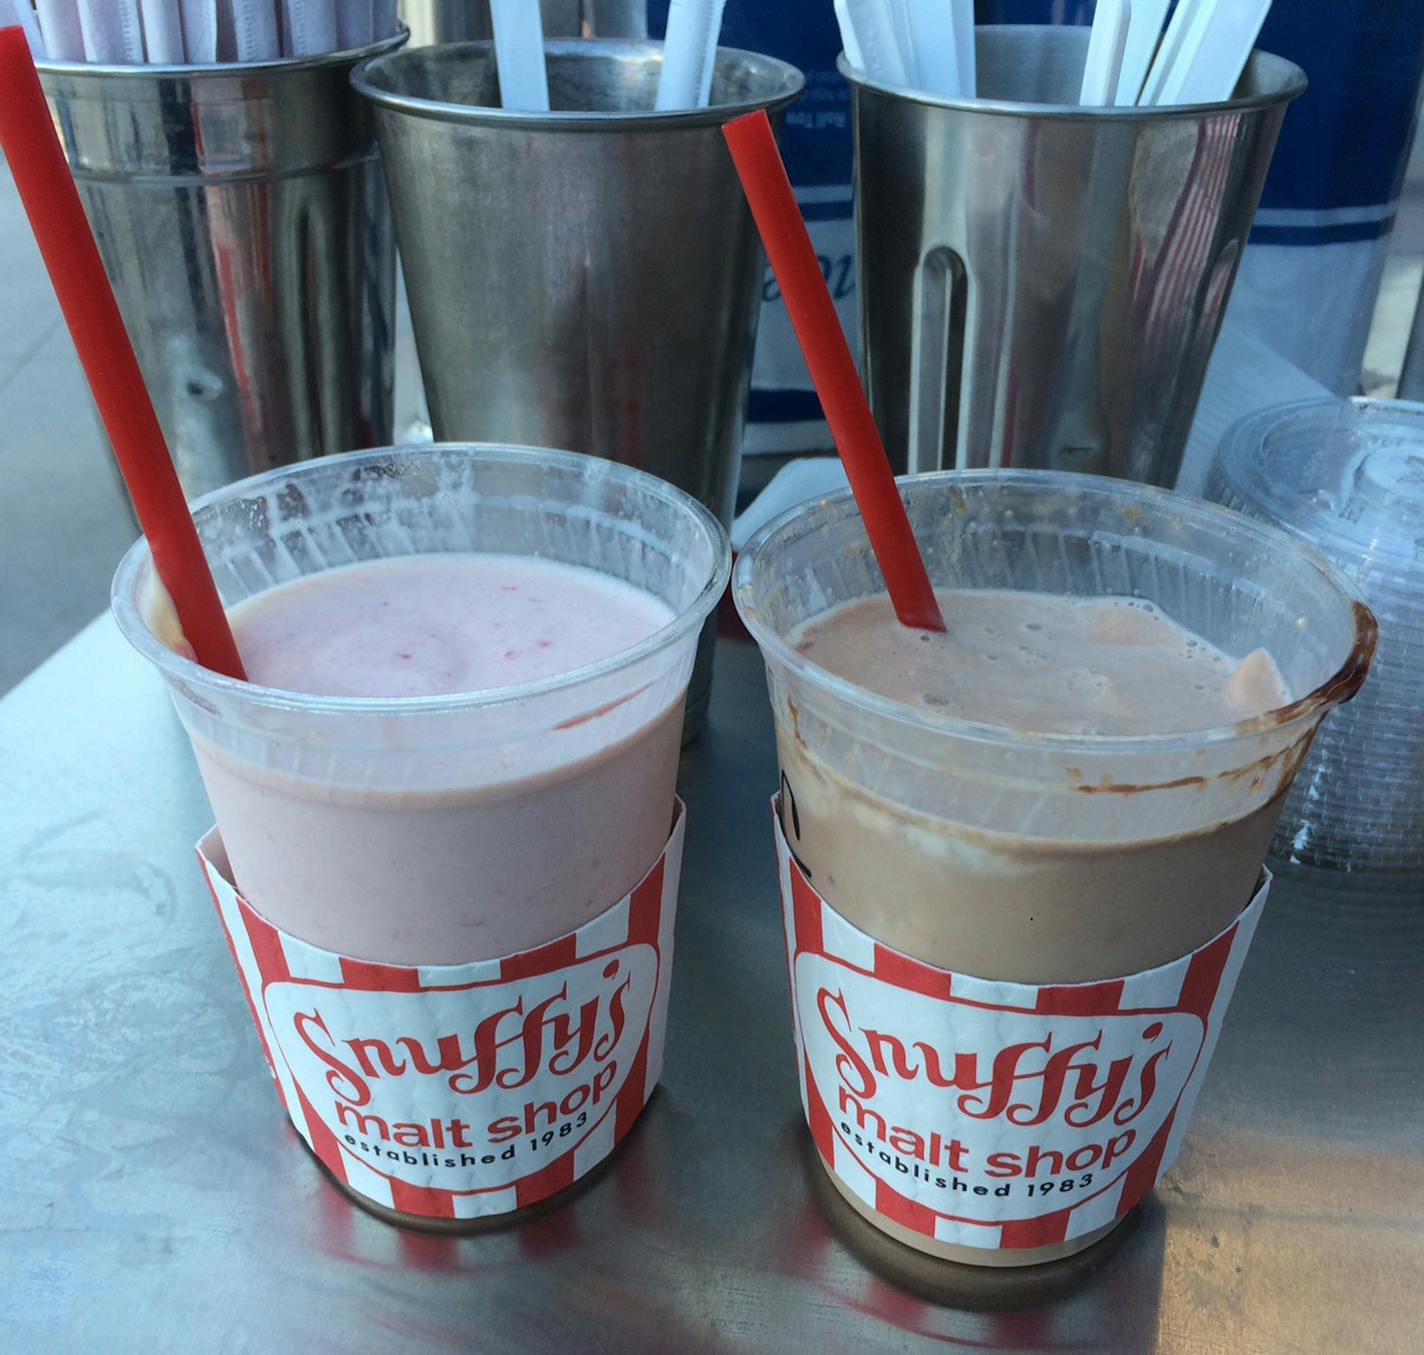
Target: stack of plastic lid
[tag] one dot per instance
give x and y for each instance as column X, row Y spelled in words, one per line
column 1348, row 478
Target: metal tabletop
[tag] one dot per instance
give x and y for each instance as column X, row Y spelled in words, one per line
column 155, row 1198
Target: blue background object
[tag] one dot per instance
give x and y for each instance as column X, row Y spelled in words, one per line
column 816, row 145
column 817, row 142
column 1346, row 142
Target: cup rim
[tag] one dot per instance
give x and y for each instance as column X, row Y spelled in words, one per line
column 213, row 70
column 793, row 85
column 135, row 575
column 1294, row 78
column 1339, row 687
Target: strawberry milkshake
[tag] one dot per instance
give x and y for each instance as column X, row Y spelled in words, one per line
column 448, row 842
column 331, row 862
column 467, row 669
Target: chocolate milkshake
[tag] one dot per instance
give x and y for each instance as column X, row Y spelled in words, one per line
column 1034, row 906
column 1020, row 860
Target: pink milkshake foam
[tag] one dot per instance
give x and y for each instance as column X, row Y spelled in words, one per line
column 505, row 852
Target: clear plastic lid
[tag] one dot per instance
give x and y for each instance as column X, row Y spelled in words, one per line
column 1348, row 475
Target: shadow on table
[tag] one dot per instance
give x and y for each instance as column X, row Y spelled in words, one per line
column 1103, row 1299
column 544, row 1229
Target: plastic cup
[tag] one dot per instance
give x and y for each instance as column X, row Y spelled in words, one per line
column 445, row 829
column 1043, row 859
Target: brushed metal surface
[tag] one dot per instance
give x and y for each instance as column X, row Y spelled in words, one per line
column 588, row 279
column 243, row 221
column 155, row 1198
column 1041, row 286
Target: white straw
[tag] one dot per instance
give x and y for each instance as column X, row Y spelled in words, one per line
column 1215, row 53
column 113, row 32
column 355, row 24
column 905, row 41
column 30, row 26
column 1184, row 17
column 932, row 37
column 1143, row 35
column 255, row 32
column 882, row 59
column 311, row 26
column 849, row 41
column 1105, row 52
column 519, row 54
column 689, row 53
column 200, row 31
column 962, row 18
column 162, row 32
column 59, row 24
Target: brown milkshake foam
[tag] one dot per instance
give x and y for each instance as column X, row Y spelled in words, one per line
column 1046, row 664
column 1032, row 905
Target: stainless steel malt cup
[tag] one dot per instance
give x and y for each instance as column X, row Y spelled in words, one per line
column 588, row 278
column 243, row 220
column 1041, row 285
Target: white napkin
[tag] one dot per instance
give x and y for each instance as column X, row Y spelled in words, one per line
column 809, row 477
column 1245, row 375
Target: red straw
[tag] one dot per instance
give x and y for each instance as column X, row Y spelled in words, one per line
column 52, row 203
column 813, row 314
